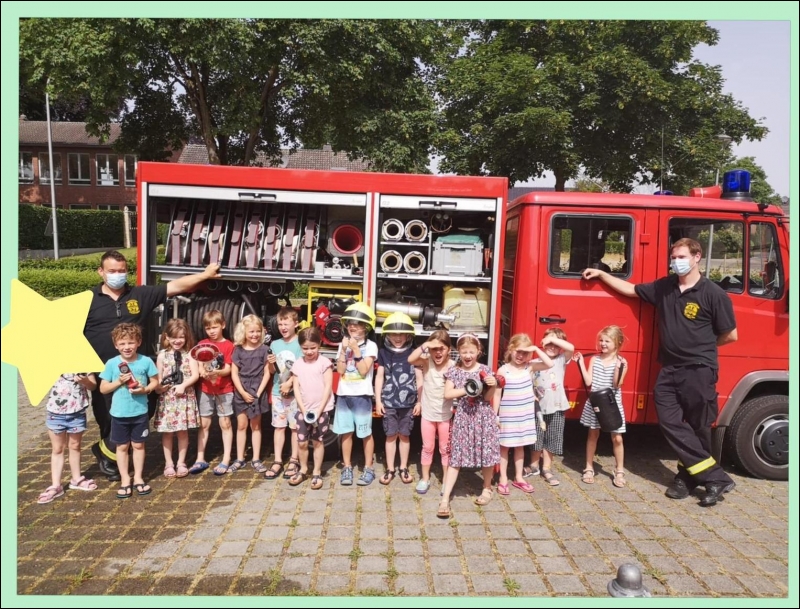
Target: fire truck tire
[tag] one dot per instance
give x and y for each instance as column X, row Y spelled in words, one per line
column 758, row 437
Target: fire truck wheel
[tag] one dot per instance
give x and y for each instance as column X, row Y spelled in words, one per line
column 758, row 437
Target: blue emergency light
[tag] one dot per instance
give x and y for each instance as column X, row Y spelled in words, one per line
column 736, row 185
column 663, row 192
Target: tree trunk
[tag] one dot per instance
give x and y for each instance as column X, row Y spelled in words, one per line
column 561, row 179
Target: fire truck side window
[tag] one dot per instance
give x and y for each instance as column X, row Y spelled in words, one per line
column 764, row 278
column 578, row 242
column 723, row 251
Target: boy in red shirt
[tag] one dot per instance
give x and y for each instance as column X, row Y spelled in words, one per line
column 216, row 389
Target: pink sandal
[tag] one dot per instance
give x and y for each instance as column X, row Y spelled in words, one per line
column 169, row 471
column 83, row 485
column 503, row 489
column 523, row 486
column 183, row 471
column 51, row 493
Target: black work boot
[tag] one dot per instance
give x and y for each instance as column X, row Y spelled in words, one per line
column 107, row 467
column 678, row 490
column 715, row 492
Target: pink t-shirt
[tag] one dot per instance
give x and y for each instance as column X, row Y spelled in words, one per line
column 312, row 381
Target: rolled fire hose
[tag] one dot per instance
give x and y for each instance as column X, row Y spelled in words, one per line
column 392, row 230
column 416, row 230
column 391, row 261
column 414, row 262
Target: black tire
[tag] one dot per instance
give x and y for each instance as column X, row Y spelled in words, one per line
column 758, row 437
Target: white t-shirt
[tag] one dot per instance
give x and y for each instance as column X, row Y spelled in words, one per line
column 550, row 383
column 351, row 382
column 434, row 407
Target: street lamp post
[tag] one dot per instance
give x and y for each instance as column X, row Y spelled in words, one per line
column 725, row 140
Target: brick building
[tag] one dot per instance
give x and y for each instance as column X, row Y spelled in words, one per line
column 88, row 173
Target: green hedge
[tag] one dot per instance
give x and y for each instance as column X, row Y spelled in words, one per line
column 77, row 228
column 59, row 283
column 71, row 263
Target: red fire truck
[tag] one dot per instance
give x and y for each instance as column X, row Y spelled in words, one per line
column 452, row 252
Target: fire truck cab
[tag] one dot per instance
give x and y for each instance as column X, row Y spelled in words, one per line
column 550, row 237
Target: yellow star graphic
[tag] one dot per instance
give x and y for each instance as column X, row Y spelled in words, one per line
column 44, row 338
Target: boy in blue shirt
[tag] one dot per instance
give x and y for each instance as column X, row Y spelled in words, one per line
column 131, row 378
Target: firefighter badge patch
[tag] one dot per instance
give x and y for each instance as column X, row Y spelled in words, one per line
column 691, row 310
column 133, row 307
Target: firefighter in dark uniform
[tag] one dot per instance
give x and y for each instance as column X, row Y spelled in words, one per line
column 115, row 302
column 695, row 316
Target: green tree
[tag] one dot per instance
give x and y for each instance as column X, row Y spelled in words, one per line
column 245, row 86
column 612, row 97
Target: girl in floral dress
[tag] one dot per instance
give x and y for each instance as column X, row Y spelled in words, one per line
column 177, row 405
column 473, row 433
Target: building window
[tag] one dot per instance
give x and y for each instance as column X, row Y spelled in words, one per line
column 78, row 168
column 80, row 206
column 44, row 168
column 110, row 207
column 26, row 168
column 582, row 242
column 130, row 169
column 107, row 170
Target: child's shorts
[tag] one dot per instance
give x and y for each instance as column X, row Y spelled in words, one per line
column 130, row 429
column 353, row 413
column 222, row 401
column 312, row 432
column 283, row 412
column 73, row 422
column 398, row 421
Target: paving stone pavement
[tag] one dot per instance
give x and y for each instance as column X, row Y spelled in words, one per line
column 240, row 534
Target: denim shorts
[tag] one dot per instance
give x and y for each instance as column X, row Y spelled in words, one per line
column 73, row 422
column 353, row 413
column 130, row 429
column 398, row 421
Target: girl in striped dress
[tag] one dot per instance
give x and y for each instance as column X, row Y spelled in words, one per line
column 604, row 372
column 519, row 411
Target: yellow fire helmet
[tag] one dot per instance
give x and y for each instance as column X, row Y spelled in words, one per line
column 360, row 311
column 398, row 323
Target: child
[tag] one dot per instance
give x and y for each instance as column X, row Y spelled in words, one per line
column 473, row 433
column 354, row 363
column 518, row 408
column 131, row 378
column 176, row 412
column 285, row 351
column 398, row 386
column 216, row 390
column 250, row 375
column 604, row 372
column 549, row 384
column 312, row 381
column 433, row 356
column 66, row 418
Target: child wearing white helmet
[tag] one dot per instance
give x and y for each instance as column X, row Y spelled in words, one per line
column 355, row 363
column 398, row 389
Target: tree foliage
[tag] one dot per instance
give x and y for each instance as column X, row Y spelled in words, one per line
column 611, row 97
column 248, row 86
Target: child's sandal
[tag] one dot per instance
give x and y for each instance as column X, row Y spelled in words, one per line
column 298, row 478
column 291, row 469
column 387, row 477
column 51, row 493
column 406, row 476
column 588, row 476
column 619, row 479
column 316, row 482
column 550, row 478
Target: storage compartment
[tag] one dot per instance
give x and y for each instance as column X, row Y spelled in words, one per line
column 458, row 255
column 470, row 306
